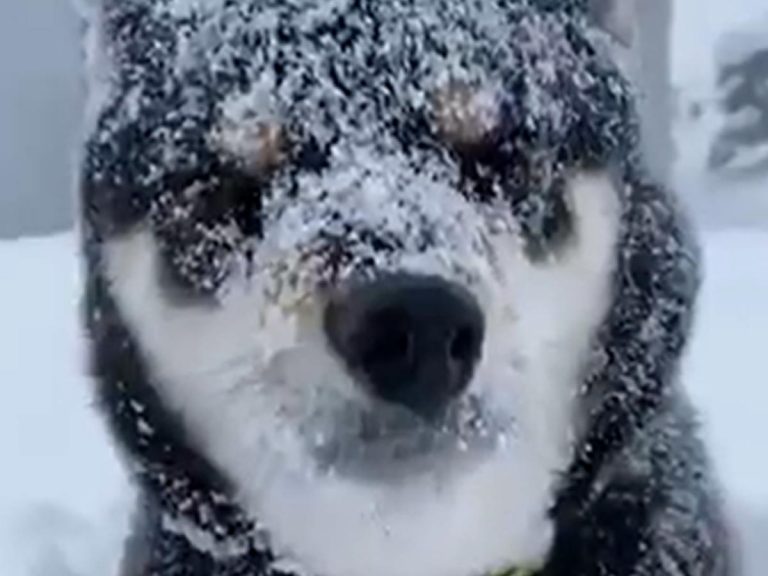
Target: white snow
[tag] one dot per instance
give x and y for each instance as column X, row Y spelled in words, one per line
column 726, row 372
column 62, row 494
column 725, row 366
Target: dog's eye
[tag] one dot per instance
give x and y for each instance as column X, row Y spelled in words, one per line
column 501, row 161
column 205, row 221
column 243, row 195
column 224, row 193
column 496, row 171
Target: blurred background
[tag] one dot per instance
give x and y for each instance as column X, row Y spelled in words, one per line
column 702, row 68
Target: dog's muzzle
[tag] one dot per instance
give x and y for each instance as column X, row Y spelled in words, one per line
column 412, row 341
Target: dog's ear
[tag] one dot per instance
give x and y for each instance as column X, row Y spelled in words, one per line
column 121, row 40
column 617, row 17
column 123, row 31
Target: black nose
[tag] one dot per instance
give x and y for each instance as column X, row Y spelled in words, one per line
column 412, row 340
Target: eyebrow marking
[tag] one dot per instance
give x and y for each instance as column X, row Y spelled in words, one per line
column 465, row 115
column 259, row 146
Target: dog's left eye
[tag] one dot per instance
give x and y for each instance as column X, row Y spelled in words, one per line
column 242, row 195
column 222, row 194
column 537, row 200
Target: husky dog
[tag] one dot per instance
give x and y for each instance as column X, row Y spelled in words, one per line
column 382, row 288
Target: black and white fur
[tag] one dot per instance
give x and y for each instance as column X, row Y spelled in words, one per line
column 574, row 449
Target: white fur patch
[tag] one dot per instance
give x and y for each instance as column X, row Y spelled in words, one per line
column 254, row 382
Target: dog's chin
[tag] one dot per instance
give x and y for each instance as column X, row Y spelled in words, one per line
column 387, row 444
column 342, row 432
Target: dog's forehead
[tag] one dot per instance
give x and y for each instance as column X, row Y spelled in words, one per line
column 343, row 61
column 349, row 70
column 355, row 64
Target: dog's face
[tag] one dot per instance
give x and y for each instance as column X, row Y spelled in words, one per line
column 364, row 248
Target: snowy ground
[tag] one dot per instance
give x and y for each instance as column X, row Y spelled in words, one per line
column 61, row 489
column 63, row 499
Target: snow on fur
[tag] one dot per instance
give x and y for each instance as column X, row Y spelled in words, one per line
column 352, row 83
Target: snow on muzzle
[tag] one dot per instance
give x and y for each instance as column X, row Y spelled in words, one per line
column 399, row 263
column 413, row 340
column 370, row 215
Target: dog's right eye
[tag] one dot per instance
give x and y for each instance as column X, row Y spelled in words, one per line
column 222, row 194
column 243, row 195
column 203, row 221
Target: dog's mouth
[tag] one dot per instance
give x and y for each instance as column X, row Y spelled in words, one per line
column 386, row 443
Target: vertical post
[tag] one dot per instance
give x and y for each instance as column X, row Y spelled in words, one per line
column 653, row 44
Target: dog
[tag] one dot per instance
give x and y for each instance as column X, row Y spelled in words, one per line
column 385, row 289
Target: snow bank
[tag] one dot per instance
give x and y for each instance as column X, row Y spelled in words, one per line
column 726, row 367
column 62, row 495
column 64, row 499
